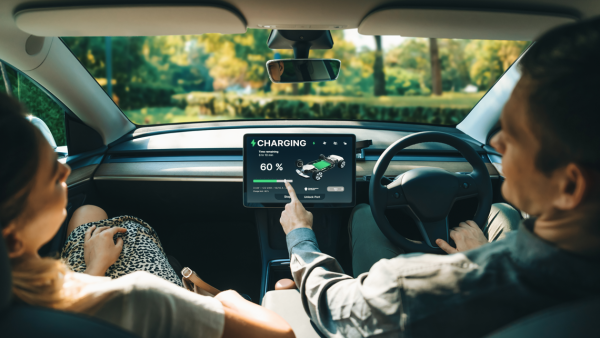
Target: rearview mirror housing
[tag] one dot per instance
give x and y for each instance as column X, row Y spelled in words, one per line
column 303, row 70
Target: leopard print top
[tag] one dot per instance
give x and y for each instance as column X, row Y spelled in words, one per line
column 142, row 250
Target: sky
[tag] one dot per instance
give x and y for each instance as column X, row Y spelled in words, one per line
column 388, row 41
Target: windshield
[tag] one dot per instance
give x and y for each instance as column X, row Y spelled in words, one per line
column 216, row 77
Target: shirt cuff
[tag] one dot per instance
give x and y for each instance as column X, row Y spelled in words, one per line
column 300, row 235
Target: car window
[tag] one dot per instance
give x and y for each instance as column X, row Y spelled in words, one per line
column 213, row 77
column 38, row 103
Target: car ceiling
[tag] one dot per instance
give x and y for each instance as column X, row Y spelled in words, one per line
column 346, row 13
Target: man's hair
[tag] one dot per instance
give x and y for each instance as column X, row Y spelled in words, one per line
column 564, row 101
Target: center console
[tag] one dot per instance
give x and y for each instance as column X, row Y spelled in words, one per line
column 327, row 225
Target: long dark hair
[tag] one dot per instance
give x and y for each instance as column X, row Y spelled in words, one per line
column 20, row 142
column 36, row 281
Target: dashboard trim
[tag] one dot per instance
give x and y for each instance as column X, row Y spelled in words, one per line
column 144, row 131
column 232, row 171
column 80, row 175
column 209, row 158
column 168, row 179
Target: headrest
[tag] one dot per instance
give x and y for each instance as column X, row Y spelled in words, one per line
column 5, row 276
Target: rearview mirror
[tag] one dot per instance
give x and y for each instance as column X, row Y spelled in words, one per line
column 303, row 70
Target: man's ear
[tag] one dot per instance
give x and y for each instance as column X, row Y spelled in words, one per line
column 573, row 185
column 14, row 245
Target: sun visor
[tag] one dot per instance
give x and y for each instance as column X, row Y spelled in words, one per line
column 460, row 24
column 129, row 21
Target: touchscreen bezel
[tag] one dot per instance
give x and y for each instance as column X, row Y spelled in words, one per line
column 306, row 205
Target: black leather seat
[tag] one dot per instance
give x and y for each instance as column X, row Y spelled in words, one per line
column 30, row 321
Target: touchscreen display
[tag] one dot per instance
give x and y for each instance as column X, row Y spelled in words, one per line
column 320, row 167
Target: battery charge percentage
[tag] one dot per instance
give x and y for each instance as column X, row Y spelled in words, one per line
column 269, row 166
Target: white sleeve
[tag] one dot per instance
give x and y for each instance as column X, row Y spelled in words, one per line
column 150, row 306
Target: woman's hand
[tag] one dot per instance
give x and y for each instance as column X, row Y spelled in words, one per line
column 100, row 250
column 246, row 319
column 467, row 235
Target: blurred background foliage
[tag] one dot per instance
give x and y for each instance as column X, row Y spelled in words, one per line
column 35, row 101
column 171, row 79
column 211, row 77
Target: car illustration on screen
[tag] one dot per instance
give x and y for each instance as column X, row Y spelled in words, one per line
column 316, row 168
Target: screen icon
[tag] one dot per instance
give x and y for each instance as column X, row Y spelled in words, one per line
column 335, row 143
column 345, row 143
column 324, row 142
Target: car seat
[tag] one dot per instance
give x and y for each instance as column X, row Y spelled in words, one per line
column 21, row 320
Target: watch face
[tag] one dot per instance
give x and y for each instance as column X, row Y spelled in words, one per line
column 186, row 272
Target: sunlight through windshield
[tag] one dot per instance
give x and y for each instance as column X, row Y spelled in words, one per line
column 215, row 77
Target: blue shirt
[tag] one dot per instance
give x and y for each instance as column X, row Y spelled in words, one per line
column 467, row 294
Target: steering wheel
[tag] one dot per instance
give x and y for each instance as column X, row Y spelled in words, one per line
column 427, row 194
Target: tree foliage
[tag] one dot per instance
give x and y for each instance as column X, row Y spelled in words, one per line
column 217, row 62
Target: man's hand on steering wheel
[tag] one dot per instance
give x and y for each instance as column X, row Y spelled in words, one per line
column 467, row 235
column 294, row 215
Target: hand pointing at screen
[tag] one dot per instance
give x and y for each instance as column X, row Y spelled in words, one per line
column 294, row 215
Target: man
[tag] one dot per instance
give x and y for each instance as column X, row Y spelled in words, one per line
column 551, row 162
column 276, row 70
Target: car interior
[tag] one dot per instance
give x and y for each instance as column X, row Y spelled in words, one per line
column 188, row 179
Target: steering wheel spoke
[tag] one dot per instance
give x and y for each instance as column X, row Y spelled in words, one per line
column 467, row 186
column 433, row 230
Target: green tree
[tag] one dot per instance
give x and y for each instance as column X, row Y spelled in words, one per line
column 489, row 59
column 38, row 103
column 378, row 72
column 436, row 67
column 411, row 57
column 454, row 66
column 237, row 59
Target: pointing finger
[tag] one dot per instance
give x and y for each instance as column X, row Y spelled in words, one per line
column 445, row 246
column 291, row 191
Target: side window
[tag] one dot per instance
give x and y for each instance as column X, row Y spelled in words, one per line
column 38, row 103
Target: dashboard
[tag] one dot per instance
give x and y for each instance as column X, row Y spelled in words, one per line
column 214, row 152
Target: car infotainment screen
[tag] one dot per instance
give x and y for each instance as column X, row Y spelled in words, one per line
column 320, row 167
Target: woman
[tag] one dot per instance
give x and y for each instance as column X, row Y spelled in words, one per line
column 33, row 197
